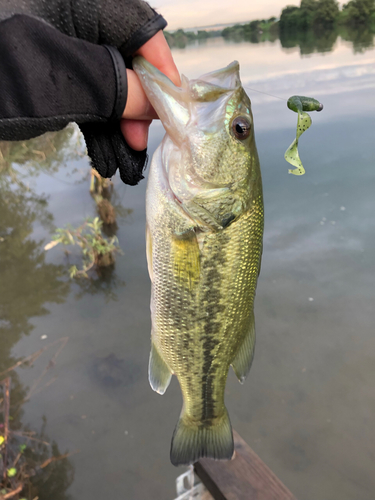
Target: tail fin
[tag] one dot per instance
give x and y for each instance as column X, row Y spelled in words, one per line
column 192, row 442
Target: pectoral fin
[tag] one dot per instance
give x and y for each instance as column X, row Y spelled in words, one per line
column 244, row 357
column 186, row 258
column 159, row 374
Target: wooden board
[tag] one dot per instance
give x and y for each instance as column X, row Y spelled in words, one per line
column 207, row 496
column 245, row 477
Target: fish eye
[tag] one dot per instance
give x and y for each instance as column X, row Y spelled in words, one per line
column 241, row 127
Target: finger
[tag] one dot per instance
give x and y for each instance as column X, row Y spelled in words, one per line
column 158, row 53
column 135, row 133
column 137, row 107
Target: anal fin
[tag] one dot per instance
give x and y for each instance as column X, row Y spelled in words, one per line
column 244, row 357
column 159, row 374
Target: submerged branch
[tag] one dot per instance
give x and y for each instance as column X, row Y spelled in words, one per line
column 33, row 357
column 12, row 493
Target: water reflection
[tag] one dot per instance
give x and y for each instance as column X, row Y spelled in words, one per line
column 28, row 284
column 362, row 39
column 309, row 41
column 27, row 281
column 251, row 33
column 40, row 470
column 112, row 372
column 105, row 283
column 324, row 40
column 54, row 481
column 320, row 39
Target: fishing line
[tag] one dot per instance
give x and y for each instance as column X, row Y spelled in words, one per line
column 265, row 93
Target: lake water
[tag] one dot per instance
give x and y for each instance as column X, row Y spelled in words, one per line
column 308, row 406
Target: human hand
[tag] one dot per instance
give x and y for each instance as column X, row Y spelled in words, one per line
column 139, row 113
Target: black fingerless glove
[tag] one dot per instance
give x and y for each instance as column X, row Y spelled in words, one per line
column 109, row 151
column 48, row 79
column 124, row 24
column 105, row 143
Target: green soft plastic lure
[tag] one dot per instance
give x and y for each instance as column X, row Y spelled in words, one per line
column 300, row 105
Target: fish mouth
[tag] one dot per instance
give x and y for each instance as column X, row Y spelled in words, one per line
column 169, row 101
column 175, row 105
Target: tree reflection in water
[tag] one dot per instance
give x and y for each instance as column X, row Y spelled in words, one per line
column 310, row 41
column 323, row 39
column 41, row 470
column 105, row 284
column 361, row 39
column 319, row 39
column 28, row 283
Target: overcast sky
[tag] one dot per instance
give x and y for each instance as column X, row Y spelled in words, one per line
column 190, row 13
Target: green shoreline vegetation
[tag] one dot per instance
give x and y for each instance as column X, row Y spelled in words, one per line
column 314, row 26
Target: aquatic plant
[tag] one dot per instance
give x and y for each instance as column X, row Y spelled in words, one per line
column 97, row 250
column 101, row 190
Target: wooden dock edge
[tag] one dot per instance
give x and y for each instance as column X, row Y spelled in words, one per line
column 245, row 477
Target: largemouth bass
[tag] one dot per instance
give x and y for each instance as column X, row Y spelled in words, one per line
column 204, row 243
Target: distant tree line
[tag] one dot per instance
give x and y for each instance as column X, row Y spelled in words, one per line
column 326, row 13
column 253, row 30
column 355, row 22
column 181, row 38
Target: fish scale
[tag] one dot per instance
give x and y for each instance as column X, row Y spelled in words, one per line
column 204, row 242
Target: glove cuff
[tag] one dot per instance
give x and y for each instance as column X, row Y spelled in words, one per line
column 121, row 82
column 143, row 35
